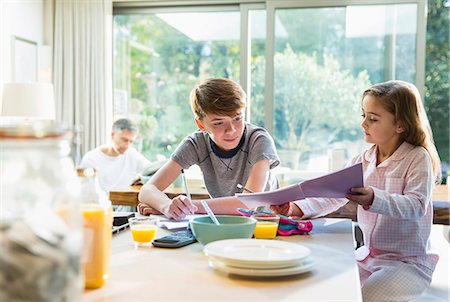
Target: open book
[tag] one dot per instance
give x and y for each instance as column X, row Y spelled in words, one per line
column 333, row 185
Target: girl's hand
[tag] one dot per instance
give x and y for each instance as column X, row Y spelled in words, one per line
column 179, row 208
column 145, row 209
column 365, row 198
column 287, row 209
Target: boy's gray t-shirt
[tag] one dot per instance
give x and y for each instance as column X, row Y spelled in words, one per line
column 222, row 174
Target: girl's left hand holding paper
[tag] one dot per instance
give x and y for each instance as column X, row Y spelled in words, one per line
column 364, row 197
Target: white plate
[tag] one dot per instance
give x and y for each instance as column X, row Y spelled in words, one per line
column 257, row 253
column 258, row 266
column 306, row 266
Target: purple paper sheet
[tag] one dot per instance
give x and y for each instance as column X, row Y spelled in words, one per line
column 333, row 185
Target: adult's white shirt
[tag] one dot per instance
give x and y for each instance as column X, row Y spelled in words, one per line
column 115, row 172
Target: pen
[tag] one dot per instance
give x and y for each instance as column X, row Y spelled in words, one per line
column 188, row 195
column 244, row 188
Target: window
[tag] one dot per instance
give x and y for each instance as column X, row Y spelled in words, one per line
column 158, row 58
column 323, row 59
column 304, row 76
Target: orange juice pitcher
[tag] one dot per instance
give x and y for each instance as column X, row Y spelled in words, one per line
column 98, row 217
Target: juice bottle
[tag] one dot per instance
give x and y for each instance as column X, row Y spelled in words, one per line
column 97, row 217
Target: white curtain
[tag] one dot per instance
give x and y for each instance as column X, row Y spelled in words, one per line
column 82, row 68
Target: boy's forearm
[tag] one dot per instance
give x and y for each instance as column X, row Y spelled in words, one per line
column 222, row 206
column 150, row 195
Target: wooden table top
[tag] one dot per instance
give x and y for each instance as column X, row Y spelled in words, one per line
column 440, row 192
column 129, row 196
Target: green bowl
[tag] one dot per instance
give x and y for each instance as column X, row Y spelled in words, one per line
column 230, row 227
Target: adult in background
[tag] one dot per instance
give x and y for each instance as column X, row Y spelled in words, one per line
column 117, row 163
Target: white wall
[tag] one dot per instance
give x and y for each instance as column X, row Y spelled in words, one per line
column 25, row 19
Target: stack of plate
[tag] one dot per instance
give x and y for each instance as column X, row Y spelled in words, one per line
column 258, row 257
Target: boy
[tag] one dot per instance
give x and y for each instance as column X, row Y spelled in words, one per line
column 227, row 150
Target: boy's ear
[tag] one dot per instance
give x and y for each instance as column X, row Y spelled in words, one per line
column 200, row 125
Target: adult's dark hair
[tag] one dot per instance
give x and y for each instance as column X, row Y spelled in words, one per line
column 124, row 124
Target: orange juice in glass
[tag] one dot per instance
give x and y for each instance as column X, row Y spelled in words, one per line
column 266, row 226
column 143, row 230
column 97, row 237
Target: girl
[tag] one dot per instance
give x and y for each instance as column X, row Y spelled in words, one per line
column 395, row 211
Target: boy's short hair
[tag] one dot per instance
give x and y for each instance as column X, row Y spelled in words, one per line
column 217, row 96
column 124, row 124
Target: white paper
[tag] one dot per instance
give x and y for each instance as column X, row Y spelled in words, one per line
column 171, row 224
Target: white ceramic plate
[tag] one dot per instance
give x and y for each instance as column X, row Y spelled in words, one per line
column 257, row 253
column 306, row 266
column 263, row 265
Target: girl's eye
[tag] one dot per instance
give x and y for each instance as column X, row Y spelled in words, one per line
column 363, row 115
column 238, row 118
column 217, row 124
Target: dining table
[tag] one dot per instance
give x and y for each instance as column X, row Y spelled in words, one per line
column 184, row 274
column 129, row 197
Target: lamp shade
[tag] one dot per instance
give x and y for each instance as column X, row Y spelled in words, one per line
column 28, row 100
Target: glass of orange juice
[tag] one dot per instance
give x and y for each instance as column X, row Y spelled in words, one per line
column 266, row 225
column 143, row 230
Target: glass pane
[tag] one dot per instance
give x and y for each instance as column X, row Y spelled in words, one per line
column 158, row 59
column 437, row 78
column 257, row 65
column 324, row 59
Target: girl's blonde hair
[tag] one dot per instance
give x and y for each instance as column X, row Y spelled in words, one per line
column 403, row 100
column 217, row 96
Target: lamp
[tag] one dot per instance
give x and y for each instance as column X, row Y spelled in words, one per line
column 28, row 100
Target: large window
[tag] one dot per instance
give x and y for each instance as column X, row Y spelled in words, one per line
column 159, row 58
column 303, row 64
column 323, row 59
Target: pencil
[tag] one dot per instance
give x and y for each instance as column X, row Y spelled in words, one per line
column 188, row 195
column 244, row 188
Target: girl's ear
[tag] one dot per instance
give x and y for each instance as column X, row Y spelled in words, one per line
column 400, row 129
column 200, row 125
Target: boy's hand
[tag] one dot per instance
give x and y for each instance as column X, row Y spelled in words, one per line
column 145, row 209
column 179, row 208
column 365, row 198
column 287, row 209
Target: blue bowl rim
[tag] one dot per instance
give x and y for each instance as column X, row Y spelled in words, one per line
column 245, row 220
